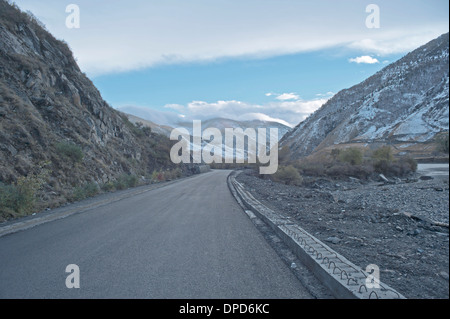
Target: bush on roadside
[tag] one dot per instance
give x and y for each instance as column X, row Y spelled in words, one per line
column 172, row 174
column 154, row 177
column 442, row 143
column 161, row 176
column 85, row 191
column 70, row 151
column 342, row 169
column 19, row 198
column 14, row 201
column 383, row 159
column 311, row 168
column 399, row 167
column 288, row 175
column 108, row 187
column 383, row 153
column 125, row 181
column 351, row 155
column 411, row 162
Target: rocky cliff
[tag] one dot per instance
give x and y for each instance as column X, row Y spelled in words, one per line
column 52, row 116
column 404, row 105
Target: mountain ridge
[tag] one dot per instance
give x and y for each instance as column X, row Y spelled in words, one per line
column 52, row 116
column 404, row 103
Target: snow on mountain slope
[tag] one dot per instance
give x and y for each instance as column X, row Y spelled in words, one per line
column 406, row 102
column 222, row 124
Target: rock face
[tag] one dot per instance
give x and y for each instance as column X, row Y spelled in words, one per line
column 404, row 104
column 46, row 101
column 156, row 128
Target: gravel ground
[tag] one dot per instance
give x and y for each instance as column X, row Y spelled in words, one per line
column 402, row 227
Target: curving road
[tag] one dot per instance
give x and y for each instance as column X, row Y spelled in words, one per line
column 189, row 239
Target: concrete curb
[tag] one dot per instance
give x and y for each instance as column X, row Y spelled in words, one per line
column 344, row 279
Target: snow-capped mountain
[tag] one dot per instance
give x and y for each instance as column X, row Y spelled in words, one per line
column 404, row 104
column 221, row 124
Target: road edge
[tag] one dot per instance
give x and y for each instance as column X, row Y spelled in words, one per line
column 344, row 279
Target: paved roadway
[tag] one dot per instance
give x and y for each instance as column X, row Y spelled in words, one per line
column 189, row 239
column 434, row 170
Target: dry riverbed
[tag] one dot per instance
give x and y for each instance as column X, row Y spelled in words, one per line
column 401, row 227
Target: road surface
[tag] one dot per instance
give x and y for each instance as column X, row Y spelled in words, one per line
column 434, row 170
column 189, row 239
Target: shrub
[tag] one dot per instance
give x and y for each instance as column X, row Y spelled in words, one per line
column 85, row 191
column 108, row 186
column 172, row 174
column 154, row 177
column 399, row 167
column 168, row 175
column 383, row 153
column 158, row 176
column 125, row 181
column 335, row 153
column 352, row 155
column 311, row 168
column 411, row 162
column 382, row 160
column 288, row 175
column 13, row 201
column 70, row 151
column 442, row 143
column 338, row 170
column 381, row 166
column 20, row 198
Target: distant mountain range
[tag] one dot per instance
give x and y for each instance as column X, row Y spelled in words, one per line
column 219, row 123
column 404, row 105
column 162, row 122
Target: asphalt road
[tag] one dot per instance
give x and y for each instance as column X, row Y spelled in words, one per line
column 189, row 239
column 435, row 170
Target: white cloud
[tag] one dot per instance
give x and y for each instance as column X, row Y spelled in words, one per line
column 287, row 96
column 288, row 112
column 328, row 94
column 118, row 36
column 284, row 96
column 364, row 59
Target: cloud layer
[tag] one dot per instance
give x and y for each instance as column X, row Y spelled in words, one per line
column 118, row 37
column 288, row 112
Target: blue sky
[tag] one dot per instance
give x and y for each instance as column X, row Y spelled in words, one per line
column 306, row 74
column 266, row 59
